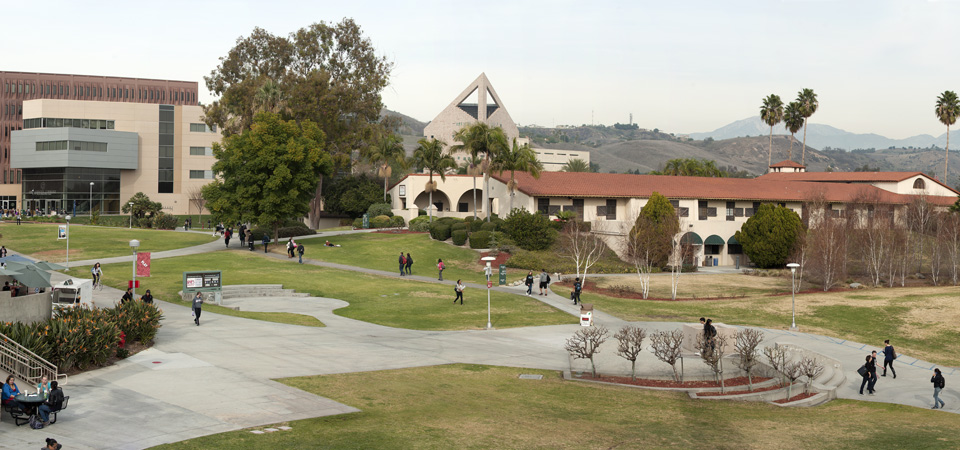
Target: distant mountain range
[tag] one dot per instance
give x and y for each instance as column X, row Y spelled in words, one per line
column 822, row 136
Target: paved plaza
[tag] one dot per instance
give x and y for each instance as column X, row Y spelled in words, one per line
column 218, row 377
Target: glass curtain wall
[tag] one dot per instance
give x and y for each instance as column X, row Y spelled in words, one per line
column 68, row 190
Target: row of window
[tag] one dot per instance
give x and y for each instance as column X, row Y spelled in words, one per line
column 201, row 151
column 201, row 174
column 44, row 122
column 12, row 109
column 97, row 91
column 83, row 146
column 166, row 157
column 202, row 128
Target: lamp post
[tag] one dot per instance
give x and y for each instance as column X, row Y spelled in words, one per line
column 488, row 270
column 793, row 294
column 91, row 199
column 134, row 244
column 68, row 244
column 131, row 215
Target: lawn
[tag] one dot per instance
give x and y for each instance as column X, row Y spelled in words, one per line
column 700, row 285
column 87, row 242
column 920, row 321
column 381, row 300
column 483, row 407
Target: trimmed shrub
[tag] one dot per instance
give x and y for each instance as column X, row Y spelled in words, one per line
column 421, row 212
column 449, row 221
column 489, row 226
column 459, row 237
column 440, row 231
column 380, row 222
column 145, row 222
column 397, row 222
column 380, row 209
column 420, row 223
column 164, row 222
column 480, row 239
column 476, row 225
column 531, row 231
column 285, row 232
column 459, row 226
column 358, row 222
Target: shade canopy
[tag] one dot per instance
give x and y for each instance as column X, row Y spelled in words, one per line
column 733, row 241
column 46, row 265
column 691, row 238
column 32, row 276
column 8, row 272
column 714, row 240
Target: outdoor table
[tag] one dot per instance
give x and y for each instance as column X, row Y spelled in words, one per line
column 30, row 402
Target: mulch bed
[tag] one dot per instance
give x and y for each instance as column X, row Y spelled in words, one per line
column 502, row 258
column 399, row 232
column 592, row 287
column 732, row 382
column 718, row 394
column 795, row 398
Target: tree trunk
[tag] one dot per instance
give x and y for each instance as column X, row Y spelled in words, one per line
column 474, row 197
column 316, row 205
column 750, row 381
column 633, row 370
column 803, row 157
column 790, row 155
column 770, row 153
column 486, row 195
column 946, row 158
column 385, row 190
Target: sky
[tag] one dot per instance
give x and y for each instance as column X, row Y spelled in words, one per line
column 680, row 66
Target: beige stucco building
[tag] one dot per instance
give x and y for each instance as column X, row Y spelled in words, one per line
column 78, row 156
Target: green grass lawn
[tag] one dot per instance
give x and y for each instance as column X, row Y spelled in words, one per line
column 86, row 242
column 381, row 300
column 483, row 407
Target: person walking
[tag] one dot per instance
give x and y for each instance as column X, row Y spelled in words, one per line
column 409, row 264
column 577, row 287
column 197, row 307
column 403, row 261
column 250, row 239
column 226, row 237
column 938, row 385
column 243, row 235
column 458, row 288
column 544, row 282
column 440, row 267
column 873, row 382
column 889, row 354
column 18, row 217
column 300, row 252
column 870, row 367
column 529, row 282
column 266, row 240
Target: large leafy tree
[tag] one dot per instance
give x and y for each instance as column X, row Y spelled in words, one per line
column 517, row 158
column 387, row 152
column 808, row 105
column 351, row 194
column 141, row 206
column 268, row 173
column 948, row 108
column 771, row 112
column 770, row 235
column 793, row 119
column 430, row 156
column 326, row 73
column 480, row 139
column 575, row 165
column 691, row 167
column 653, row 231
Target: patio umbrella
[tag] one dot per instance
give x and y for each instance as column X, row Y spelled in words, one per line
column 8, row 272
column 32, row 277
column 46, row 265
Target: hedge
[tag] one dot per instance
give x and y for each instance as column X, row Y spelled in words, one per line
column 459, row 226
column 459, row 237
column 475, row 225
column 285, row 232
column 420, row 223
column 380, row 222
column 397, row 222
column 489, row 226
column 480, row 239
column 440, row 231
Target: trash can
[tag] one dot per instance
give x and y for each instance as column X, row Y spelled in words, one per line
column 716, row 262
column 586, row 314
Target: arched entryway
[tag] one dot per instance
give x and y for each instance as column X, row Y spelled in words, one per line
column 440, row 200
column 465, row 203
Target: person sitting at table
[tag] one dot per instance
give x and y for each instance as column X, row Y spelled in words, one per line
column 53, row 403
column 10, row 390
column 44, row 386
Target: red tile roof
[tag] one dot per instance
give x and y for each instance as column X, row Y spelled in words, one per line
column 789, row 163
column 840, row 177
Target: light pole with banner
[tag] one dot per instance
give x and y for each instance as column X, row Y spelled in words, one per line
column 91, row 199
column 131, row 214
column 134, row 244
column 488, row 271
column 63, row 232
column 793, row 294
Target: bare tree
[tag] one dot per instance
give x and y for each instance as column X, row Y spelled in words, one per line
column 666, row 347
column 581, row 245
column 792, row 371
column 711, row 352
column 811, row 368
column 826, row 241
column 952, row 245
column 679, row 252
column 938, row 247
column 777, row 357
column 630, row 344
column 746, row 345
column 899, row 254
column 919, row 215
column 586, row 342
column 647, row 245
column 196, row 198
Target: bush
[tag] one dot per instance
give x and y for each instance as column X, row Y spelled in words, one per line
column 137, row 320
column 459, row 226
column 476, row 225
column 459, row 237
column 449, row 221
column 531, row 231
column 380, row 222
column 95, row 217
column 420, row 223
column 397, row 222
column 488, row 226
column 440, row 231
column 164, row 221
column 380, row 209
column 358, row 222
column 145, row 222
column 421, row 212
column 480, row 239
column 284, row 232
column 770, row 235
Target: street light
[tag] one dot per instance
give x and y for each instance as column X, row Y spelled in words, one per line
column 68, row 244
column 134, row 244
column 488, row 271
column 131, row 215
column 91, row 199
column 793, row 294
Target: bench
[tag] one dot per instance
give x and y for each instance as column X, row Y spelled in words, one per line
column 53, row 414
column 19, row 417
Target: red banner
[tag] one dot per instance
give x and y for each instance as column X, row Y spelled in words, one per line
column 143, row 264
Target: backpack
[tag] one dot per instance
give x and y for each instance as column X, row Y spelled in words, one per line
column 441, row 266
column 36, row 423
column 300, row 249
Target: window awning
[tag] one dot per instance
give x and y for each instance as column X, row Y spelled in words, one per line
column 714, row 240
column 733, row 241
column 691, row 238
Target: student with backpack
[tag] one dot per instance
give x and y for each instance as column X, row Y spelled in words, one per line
column 300, row 252
column 938, row 384
column 458, row 288
column 544, row 282
column 409, row 264
column 402, row 260
column 575, row 295
column 529, row 282
column 440, row 267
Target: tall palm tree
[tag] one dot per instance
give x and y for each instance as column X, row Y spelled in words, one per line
column 429, row 155
column 575, row 165
column 388, row 151
column 948, row 108
column 474, row 166
column 771, row 112
column 481, row 139
column 270, row 98
column 808, row 105
column 793, row 119
column 517, row 158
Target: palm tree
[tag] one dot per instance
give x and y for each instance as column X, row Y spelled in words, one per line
column 388, row 151
column 474, row 166
column 480, row 139
column 808, row 105
column 429, row 155
column 575, row 165
column 948, row 108
column 518, row 158
column 772, row 113
column 271, row 98
column 793, row 119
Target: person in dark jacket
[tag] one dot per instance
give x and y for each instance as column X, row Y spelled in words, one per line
column 409, row 264
column 197, row 307
column 871, row 365
column 529, row 282
column 53, row 403
column 403, row 262
column 266, row 240
column 577, row 287
column 873, row 382
column 226, row 237
column 938, row 385
column 300, row 252
column 889, row 354
column 127, row 296
column 147, row 297
column 242, row 231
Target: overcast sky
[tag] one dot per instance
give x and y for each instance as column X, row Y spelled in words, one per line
column 681, row 66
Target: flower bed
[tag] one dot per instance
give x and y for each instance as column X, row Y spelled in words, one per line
column 502, row 258
column 796, row 398
column 670, row 384
column 720, row 394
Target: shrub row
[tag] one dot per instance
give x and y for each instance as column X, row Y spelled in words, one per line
column 382, row 221
column 459, row 237
column 284, row 232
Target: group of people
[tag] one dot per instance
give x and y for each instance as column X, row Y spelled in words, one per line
column 294, row 247
column 406, row 262
column 544, row 279
column 869, row 373
column 49, row 390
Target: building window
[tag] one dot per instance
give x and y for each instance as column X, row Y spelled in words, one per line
column 166, row 154
column 201, row 174
column 919, row 184
column 543, row 205
column 201, row 128
column 201, row 151
column 611, row 209
column 83, row 146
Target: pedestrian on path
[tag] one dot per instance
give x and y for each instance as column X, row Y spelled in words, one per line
column 870, row 369
column 577, row 287
column 18, row 217
column 266, row 240
column 197, row 307
column 226, row 237
column 250, row 239
column 290, row 248
column 529, row 282
column 458, row 288
column 300, row 252
column 3, row 251
column 938, row 385
column 544, row 282
column 409, row 264
column 243, row 235
column 403, row 261
column 440, row 267
column 889, row 354
column 876, row 362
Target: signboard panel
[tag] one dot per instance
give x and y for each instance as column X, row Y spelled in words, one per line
column 61, row 232
column 201, row 281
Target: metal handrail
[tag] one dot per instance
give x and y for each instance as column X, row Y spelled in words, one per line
column 26, row 365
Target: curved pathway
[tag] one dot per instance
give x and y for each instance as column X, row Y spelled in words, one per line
column 218, row 377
